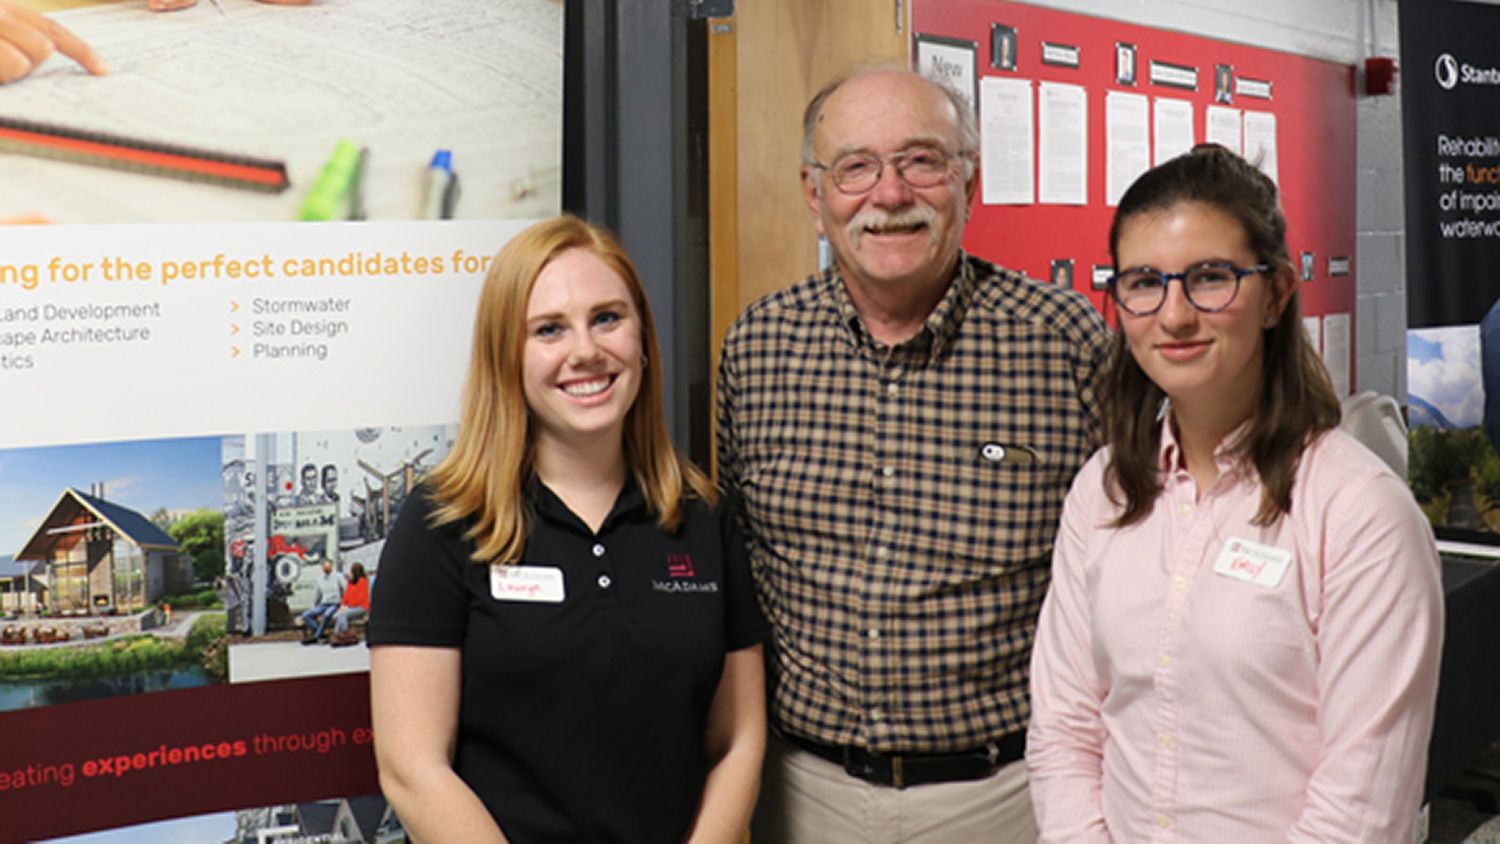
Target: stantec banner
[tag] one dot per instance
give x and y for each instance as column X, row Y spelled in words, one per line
column 1451, row 114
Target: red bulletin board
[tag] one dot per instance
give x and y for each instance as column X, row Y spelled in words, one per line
column 1312, row 100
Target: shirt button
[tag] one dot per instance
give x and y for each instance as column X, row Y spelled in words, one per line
column 1166, row 741
column 893, row 390
column 888, row 471
column 598, row 550
column 1179, row 583
column 1185, row 510
column 876, row 714
column 883, row 552
column 873, row 633
column 1163, row 821
column 604, row 581
column 1163, row 660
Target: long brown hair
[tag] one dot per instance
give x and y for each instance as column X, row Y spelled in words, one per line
column 1297, row 401
column 483, row 477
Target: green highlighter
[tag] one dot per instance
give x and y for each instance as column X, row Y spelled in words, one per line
column 333, row 184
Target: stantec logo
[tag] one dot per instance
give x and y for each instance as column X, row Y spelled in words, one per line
column 1446, row 70
column 1450, row 72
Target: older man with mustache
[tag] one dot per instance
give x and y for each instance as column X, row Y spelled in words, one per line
column 899, row 432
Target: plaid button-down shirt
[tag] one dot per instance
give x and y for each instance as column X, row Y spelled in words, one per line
column 901, row 501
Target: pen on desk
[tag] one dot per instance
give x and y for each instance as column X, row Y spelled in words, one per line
column 357, row 185
column 332, row 185
column 440, row 191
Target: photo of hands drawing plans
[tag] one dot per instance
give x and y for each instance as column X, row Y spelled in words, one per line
column 421, row 95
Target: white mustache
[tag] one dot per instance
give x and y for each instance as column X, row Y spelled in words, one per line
column 876, row 218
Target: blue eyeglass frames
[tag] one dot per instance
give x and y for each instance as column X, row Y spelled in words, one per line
column 1210, row 286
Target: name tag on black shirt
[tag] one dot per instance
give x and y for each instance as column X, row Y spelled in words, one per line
column 539, row 584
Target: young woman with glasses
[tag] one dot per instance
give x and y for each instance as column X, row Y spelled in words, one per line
column 1241, row 639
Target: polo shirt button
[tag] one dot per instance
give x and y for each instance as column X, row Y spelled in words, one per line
column 604, row 581
column 1163, row 821
column 598, row 549
column 1185, row 510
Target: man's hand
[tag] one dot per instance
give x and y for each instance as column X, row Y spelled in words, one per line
column 28, row 38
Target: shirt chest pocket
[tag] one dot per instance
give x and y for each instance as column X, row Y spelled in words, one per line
column 988, row 505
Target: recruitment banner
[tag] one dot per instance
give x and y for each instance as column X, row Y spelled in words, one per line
column 1451, row 120
column 237, row 284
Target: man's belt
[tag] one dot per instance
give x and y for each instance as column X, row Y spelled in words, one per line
column 900, row 770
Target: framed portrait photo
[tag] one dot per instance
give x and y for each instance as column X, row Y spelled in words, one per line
column 1124, row 63
column 1003, row 46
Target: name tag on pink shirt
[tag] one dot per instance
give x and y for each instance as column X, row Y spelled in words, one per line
column 543, row 584
column 1252, row 562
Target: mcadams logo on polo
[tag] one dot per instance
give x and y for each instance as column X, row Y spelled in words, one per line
column 680, row 565
column 683, row 576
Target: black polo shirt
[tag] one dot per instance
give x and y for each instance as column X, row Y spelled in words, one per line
column 587, row 682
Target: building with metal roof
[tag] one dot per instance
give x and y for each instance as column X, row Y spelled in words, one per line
column 101, row 557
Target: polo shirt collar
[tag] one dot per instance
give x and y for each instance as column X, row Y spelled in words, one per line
column 940, row 328
column 547, row 505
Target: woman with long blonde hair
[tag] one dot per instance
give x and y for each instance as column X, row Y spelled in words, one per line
column 565, row 639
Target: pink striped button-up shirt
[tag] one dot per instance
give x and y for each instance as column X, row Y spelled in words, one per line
column 1198, row 678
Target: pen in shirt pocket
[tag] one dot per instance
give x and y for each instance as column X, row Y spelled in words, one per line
column 1009, row 454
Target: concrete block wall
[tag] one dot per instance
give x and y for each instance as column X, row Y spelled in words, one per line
column 1345, row 31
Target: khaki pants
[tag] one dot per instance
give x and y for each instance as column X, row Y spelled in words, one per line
column 805, row 799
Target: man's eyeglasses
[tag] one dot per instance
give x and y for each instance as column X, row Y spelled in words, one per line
column 855, row 173
column 1210, row 286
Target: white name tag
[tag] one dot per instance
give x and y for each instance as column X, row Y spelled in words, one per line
column 543, row 584
column 1252, row 562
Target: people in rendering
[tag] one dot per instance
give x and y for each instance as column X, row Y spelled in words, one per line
column 331, row 483
column 353, row 606
column 329, row 593
column 308, row 493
